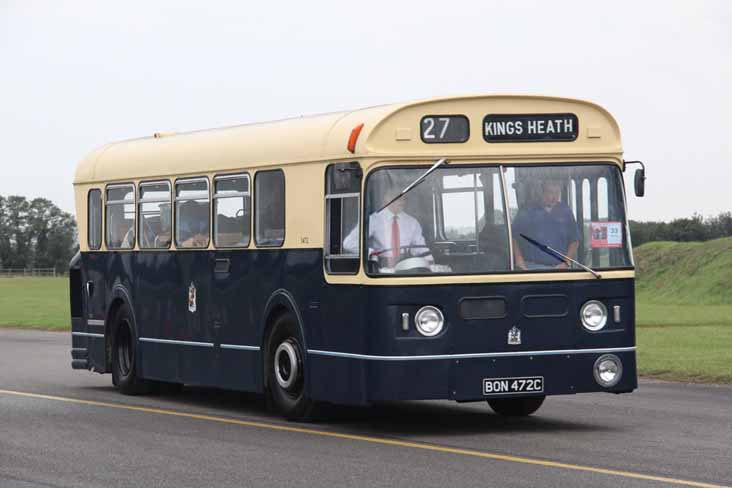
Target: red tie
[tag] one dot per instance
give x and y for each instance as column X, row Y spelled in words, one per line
column 395, row 242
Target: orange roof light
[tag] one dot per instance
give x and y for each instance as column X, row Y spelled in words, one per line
column 354, row 138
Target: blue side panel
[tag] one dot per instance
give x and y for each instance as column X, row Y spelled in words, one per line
column 220, row 343
column 159, row 312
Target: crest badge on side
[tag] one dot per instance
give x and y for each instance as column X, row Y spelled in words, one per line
column 192, row 298
column 514, row 336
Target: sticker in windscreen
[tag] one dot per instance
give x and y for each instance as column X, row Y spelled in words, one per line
column 606, row 234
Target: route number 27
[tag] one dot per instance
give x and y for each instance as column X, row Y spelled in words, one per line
column 444, row 128
column 428, row 127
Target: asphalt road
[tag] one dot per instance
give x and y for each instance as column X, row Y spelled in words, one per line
column 60, row 427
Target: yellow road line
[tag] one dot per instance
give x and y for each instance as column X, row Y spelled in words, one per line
column 373, row 440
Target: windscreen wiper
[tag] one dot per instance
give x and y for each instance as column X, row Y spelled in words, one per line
column 554, row 253
column 416, row 182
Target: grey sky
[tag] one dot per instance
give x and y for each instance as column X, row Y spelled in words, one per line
column 76, row 75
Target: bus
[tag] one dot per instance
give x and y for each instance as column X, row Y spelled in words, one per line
column 469, row 248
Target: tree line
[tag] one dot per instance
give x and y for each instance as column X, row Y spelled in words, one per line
column 35, row 234
column 695, row 228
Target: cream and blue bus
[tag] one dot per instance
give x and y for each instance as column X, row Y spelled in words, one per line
column 469, row 248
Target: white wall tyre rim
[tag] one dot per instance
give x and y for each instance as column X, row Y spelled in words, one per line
column 286, row 365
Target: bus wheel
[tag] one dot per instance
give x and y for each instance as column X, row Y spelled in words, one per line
column 124, row 365
column 516, row 407
column 285, row 370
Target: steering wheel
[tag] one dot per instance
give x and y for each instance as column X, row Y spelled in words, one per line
column 421, row 255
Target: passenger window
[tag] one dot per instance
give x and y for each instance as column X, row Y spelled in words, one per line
column 94, row 220
column 120, row 217
column 342, row 210
column 155, row 229
column 269, row 211
column 232, row 210
column 192, row 213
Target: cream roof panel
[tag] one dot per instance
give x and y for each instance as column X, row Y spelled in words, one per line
column 323, row 137
column 598, row 130
column 231, row 148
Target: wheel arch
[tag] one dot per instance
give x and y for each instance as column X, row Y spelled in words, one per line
column 119, row 297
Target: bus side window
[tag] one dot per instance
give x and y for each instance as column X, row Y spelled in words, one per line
column 192, row 213
column 120, row 216
column 232, row 211
column 154, row 214
column 94, row 223
column 342, row 209
column 269, row 208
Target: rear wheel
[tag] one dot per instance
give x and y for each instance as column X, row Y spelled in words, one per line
column 285, row 370
column 516, row 407
column 124, row 362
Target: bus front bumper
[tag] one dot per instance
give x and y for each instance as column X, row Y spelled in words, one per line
column 463, row 378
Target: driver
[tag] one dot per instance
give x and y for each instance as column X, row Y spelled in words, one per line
column 392, row 232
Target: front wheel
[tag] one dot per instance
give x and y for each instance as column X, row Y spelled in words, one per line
column 285, row 370
column 516, row 407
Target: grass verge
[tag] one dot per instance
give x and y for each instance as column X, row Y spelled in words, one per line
column 698, row 353
column 38, row 303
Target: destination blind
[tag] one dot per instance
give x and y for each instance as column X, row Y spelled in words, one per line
column 530, row 127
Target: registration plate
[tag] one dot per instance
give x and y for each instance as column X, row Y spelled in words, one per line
column 503, row 386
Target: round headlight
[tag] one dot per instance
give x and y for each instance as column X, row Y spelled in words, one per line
column 608, row 370
column 593, row 315
column 429, row 321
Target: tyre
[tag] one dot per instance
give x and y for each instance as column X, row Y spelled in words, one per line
column 124, row 362
column 516, row 407
column 285, row 370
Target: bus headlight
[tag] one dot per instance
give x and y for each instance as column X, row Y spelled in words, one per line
column 593, row 315
column 429, row 321
column 608, row 370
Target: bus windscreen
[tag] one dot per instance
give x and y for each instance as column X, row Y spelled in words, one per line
column 489, row 219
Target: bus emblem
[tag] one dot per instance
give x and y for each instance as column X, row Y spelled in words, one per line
column 192, row 298
column 514, row 336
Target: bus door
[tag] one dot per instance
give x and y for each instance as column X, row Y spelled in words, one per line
column 233, row 284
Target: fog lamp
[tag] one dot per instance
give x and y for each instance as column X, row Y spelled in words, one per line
column 608, row 370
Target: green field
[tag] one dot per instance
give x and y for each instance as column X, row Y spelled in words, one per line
column 39, row 303
column 684, row 312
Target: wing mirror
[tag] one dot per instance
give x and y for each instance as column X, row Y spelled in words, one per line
column 640, row 178
column 640, row 182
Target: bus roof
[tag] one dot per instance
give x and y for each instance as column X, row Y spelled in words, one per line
column 388, row 131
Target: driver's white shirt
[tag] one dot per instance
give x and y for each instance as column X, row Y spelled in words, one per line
column 410, row 234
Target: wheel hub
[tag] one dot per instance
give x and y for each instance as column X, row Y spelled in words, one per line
column 286, row 364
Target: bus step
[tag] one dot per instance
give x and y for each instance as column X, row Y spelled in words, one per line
column 79, row 364
column 79, row 353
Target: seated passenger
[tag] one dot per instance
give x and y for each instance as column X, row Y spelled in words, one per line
column 162, row 239
column 550, row 222
column 392, row 233
column 193, row 225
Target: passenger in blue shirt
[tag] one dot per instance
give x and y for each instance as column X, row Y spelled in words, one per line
column 549, row 221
